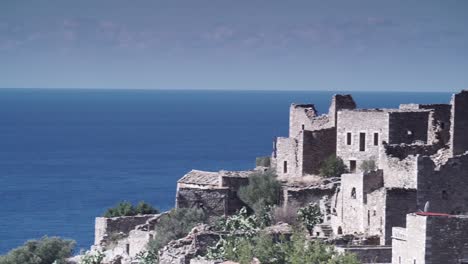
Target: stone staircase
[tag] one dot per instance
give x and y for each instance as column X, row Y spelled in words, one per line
column 325, row 230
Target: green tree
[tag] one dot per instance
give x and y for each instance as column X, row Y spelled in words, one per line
column 121, row 209
column 262, row 191
column 310, row 216
column 46, row 250
column 145, row 208
column 333, row 166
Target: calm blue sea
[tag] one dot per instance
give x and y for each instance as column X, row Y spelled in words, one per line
column 66, row 155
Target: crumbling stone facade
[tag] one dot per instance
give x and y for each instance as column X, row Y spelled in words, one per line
column 312, row 138
column 122, row 238
column 359, row 136
column 421, row 158
column 418, row 149
column 213, row 192
column 413, row 153
column 431, row 238
column 444, row 186
column 104, row 226
column 459, row 123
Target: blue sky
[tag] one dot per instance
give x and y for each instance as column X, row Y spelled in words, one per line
column 220, row 44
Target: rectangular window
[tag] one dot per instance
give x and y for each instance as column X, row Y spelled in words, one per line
column 352, row 166
column 348, row 138
column 376, row 139
column 362, row 141
column 285, row 167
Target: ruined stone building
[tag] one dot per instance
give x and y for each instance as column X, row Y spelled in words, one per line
column 410, row 206
column 420, row 157
column 431, row 238
column 420, row 152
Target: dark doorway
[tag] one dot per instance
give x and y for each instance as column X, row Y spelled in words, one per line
column 352, row 166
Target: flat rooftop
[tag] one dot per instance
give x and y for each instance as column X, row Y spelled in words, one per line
column 211, row 178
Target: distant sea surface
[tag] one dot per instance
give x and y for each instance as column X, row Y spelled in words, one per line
column 68, row 154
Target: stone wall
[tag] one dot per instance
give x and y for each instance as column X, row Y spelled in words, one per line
column 104, row 226
column 195, row 244
column 398, row 203
column 352, row 199
column 459, row 123
column 356, row 122
column 287, row 157
column 300, row 116
column 214, row 202
column 401, row 151
column 365, row 207
column 399, row 166
column 439, row 121
column 317, row 146
column 443, row 187
column 431, row 238
column 138, row 240
column 360, row 206
column 447, row 239
column 376, row 213
column 303, row 196
column 340, row 102
column 408, row 127
column 408, row 244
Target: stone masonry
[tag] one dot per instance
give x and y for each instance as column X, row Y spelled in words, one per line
column 414, row 200
column 431, row 238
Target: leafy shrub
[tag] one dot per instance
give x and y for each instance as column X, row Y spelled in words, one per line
column 333, row 166
column 368, row 166
column 92, row 258
column 145, row 208
column 262, row 191
column 240, row 222
column 298, row 250
column 310, row 216
column 176, row 224
column 147, row 257
column 46, row 250
column 127, row 209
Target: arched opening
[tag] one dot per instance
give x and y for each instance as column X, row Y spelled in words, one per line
column 340, row 230
column 353, row 193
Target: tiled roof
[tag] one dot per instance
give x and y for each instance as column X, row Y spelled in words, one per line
column 201, row 178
